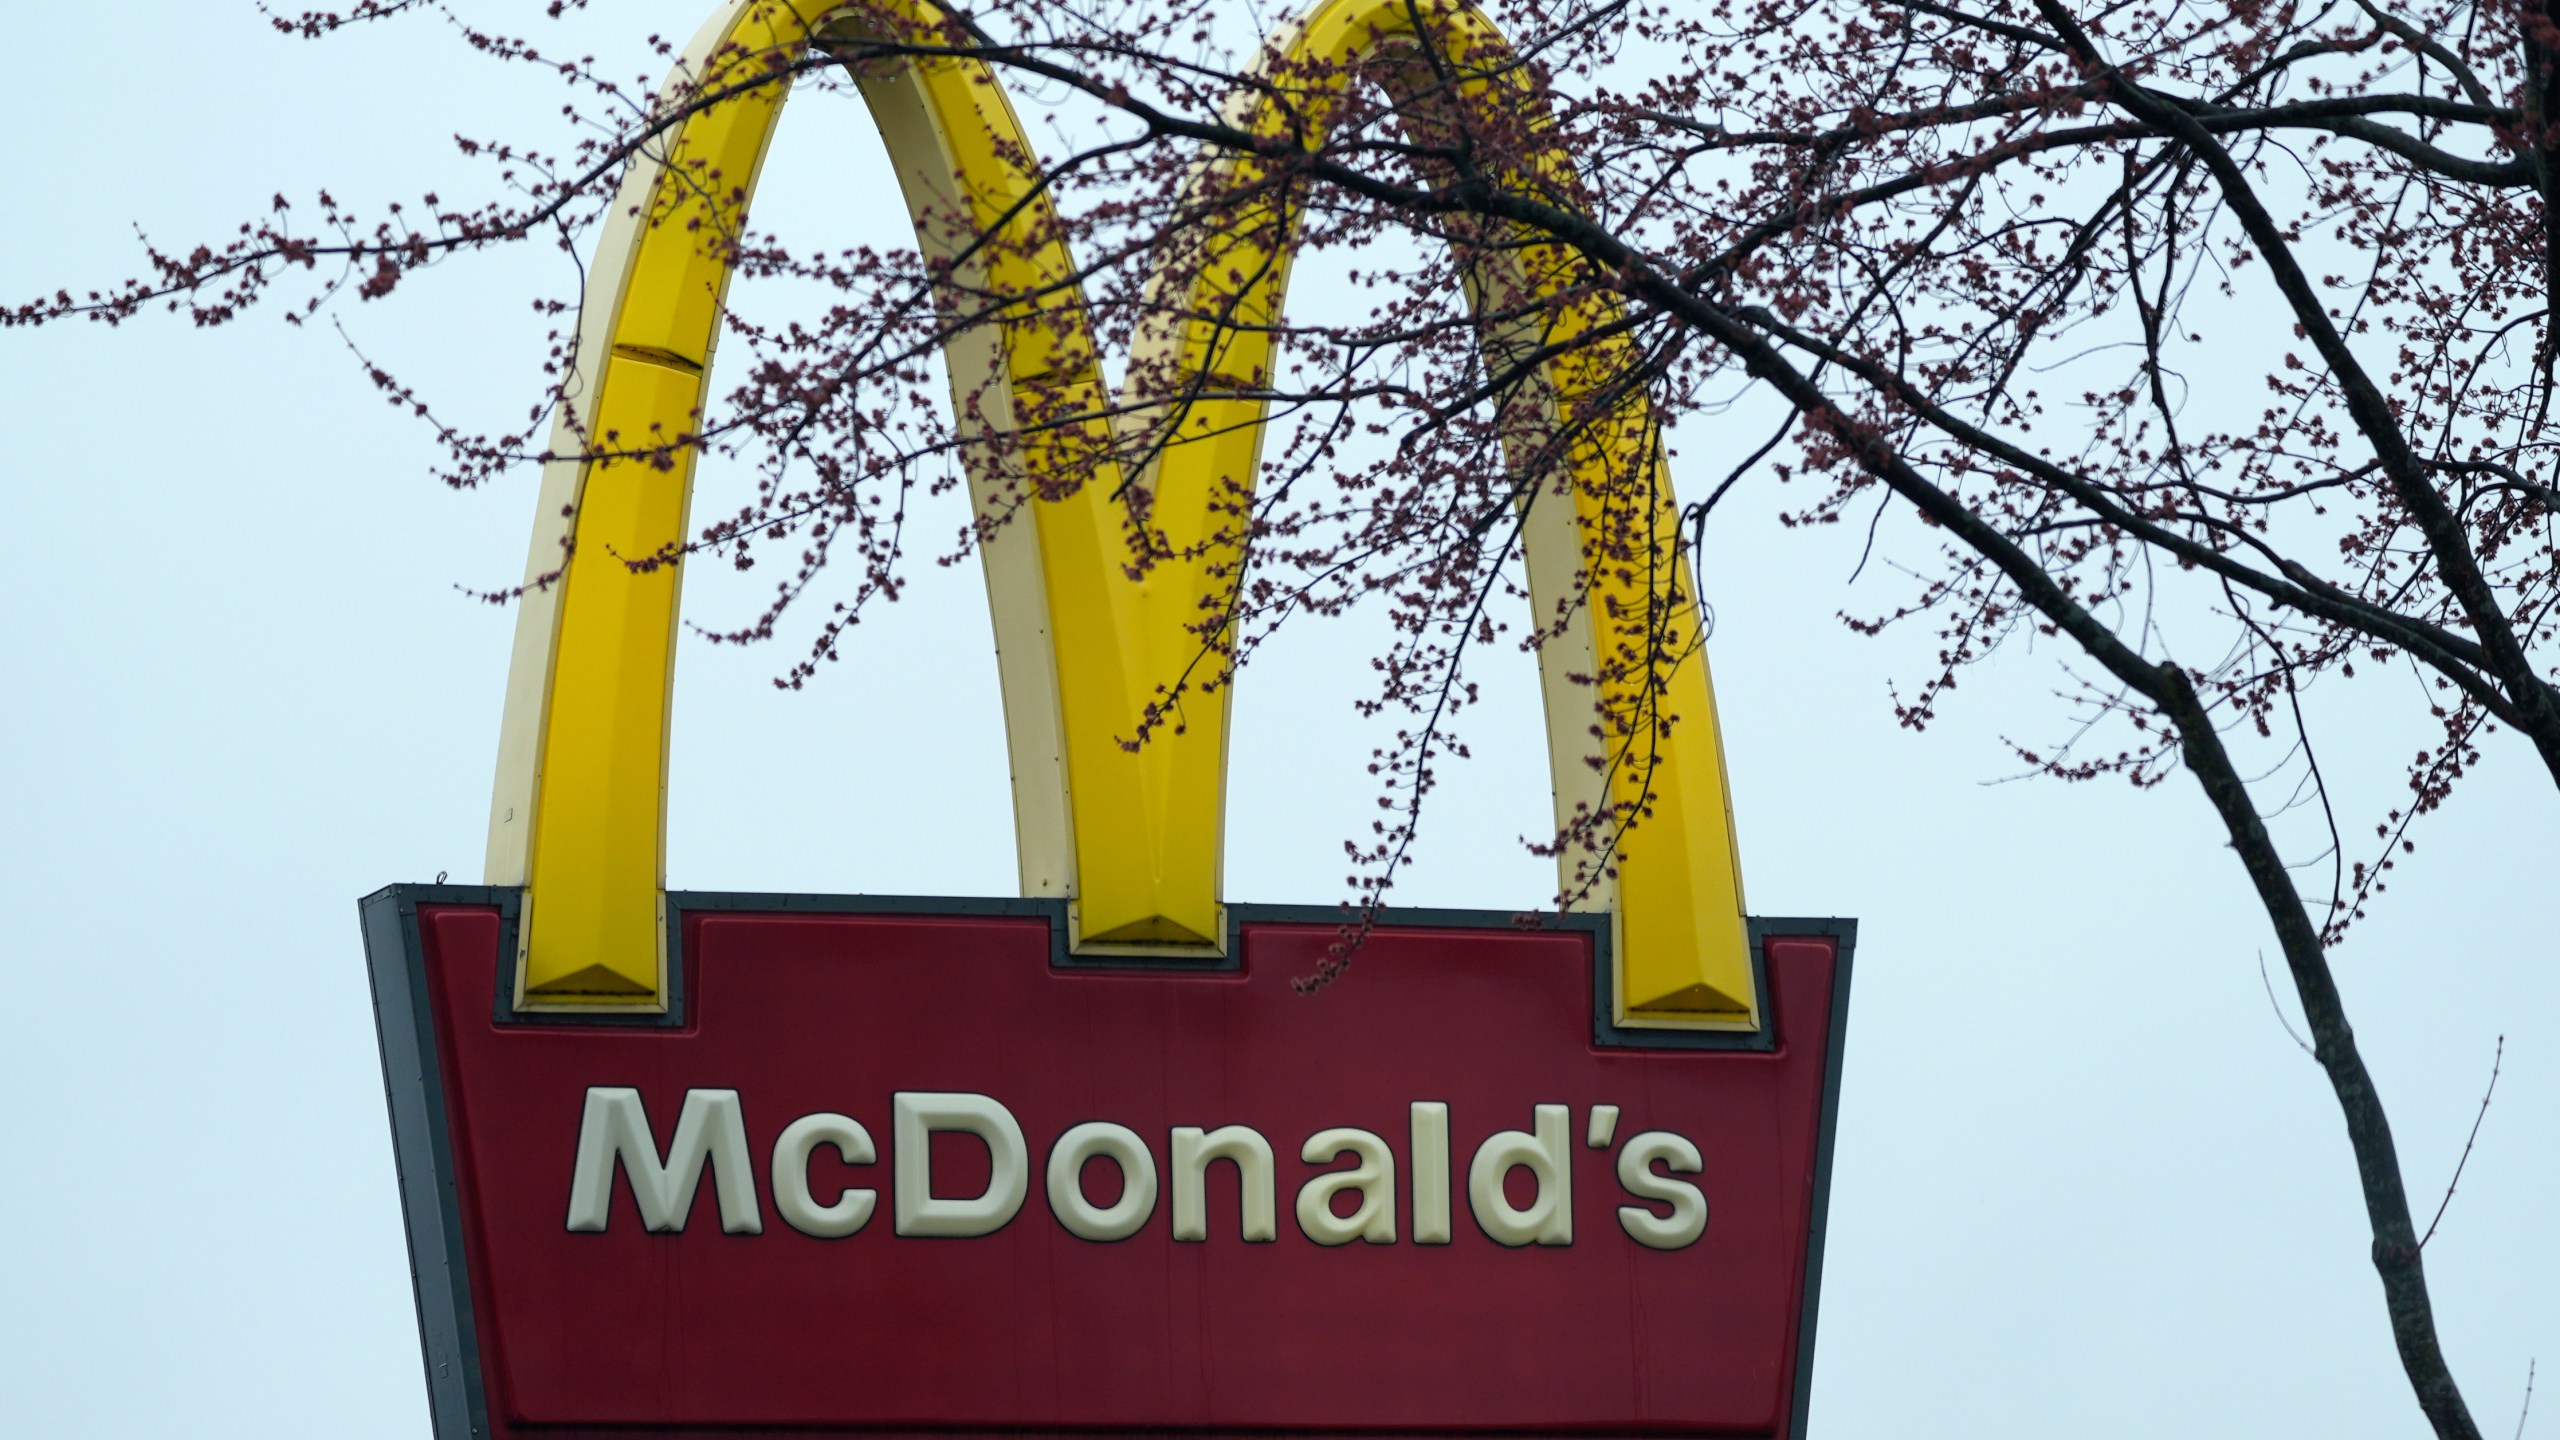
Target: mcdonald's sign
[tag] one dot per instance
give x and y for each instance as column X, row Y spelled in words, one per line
column 682, row 1163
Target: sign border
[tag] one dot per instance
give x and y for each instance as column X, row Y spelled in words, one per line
column 422, row 1150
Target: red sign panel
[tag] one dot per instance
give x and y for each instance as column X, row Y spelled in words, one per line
column 906, row 1166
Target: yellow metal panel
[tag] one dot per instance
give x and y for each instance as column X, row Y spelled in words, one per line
column 595, row 875
column 672, row 304
column 1147, row 816
column 590, row 930
column 1684, row 947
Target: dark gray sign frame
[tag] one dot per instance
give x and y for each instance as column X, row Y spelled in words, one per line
column 413, row 1081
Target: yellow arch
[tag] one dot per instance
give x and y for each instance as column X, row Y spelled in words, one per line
column 1605, row 564
column 577, row 818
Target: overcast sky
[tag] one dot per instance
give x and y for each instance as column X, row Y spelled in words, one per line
column 2085, row 1183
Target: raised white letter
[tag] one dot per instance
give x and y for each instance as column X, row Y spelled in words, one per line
column 1549, row 1218
column 615, row 1127
column 852, row 1209
column 1192, row 1153
column 1121, row 1146
column 1430, row 1172
column 1374, row 1177
column 913, row 1117
column 1688, row 1218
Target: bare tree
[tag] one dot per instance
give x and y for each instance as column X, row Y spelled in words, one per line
column 2216, row 340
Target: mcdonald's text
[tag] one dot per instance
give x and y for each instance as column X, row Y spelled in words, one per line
column 1519, row 1183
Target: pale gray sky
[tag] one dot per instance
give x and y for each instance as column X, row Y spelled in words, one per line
column 2085, row 1184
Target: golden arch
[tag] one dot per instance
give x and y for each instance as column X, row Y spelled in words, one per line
column 1130, row 838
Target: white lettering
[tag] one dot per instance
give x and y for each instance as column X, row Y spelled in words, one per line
column 1688, row 1218
column 1663, row 1211
column 1374, row 1177
column 1430, row 1172
column 1548, row 1220
column 1121, row 1146
column 615, row 1129
column 1194, row 1151
column 1604, row 1127
column 914, row 1116
column 852, row 1209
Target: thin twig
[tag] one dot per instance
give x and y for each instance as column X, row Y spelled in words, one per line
column 2494, row 1062
column 2279, row 1009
